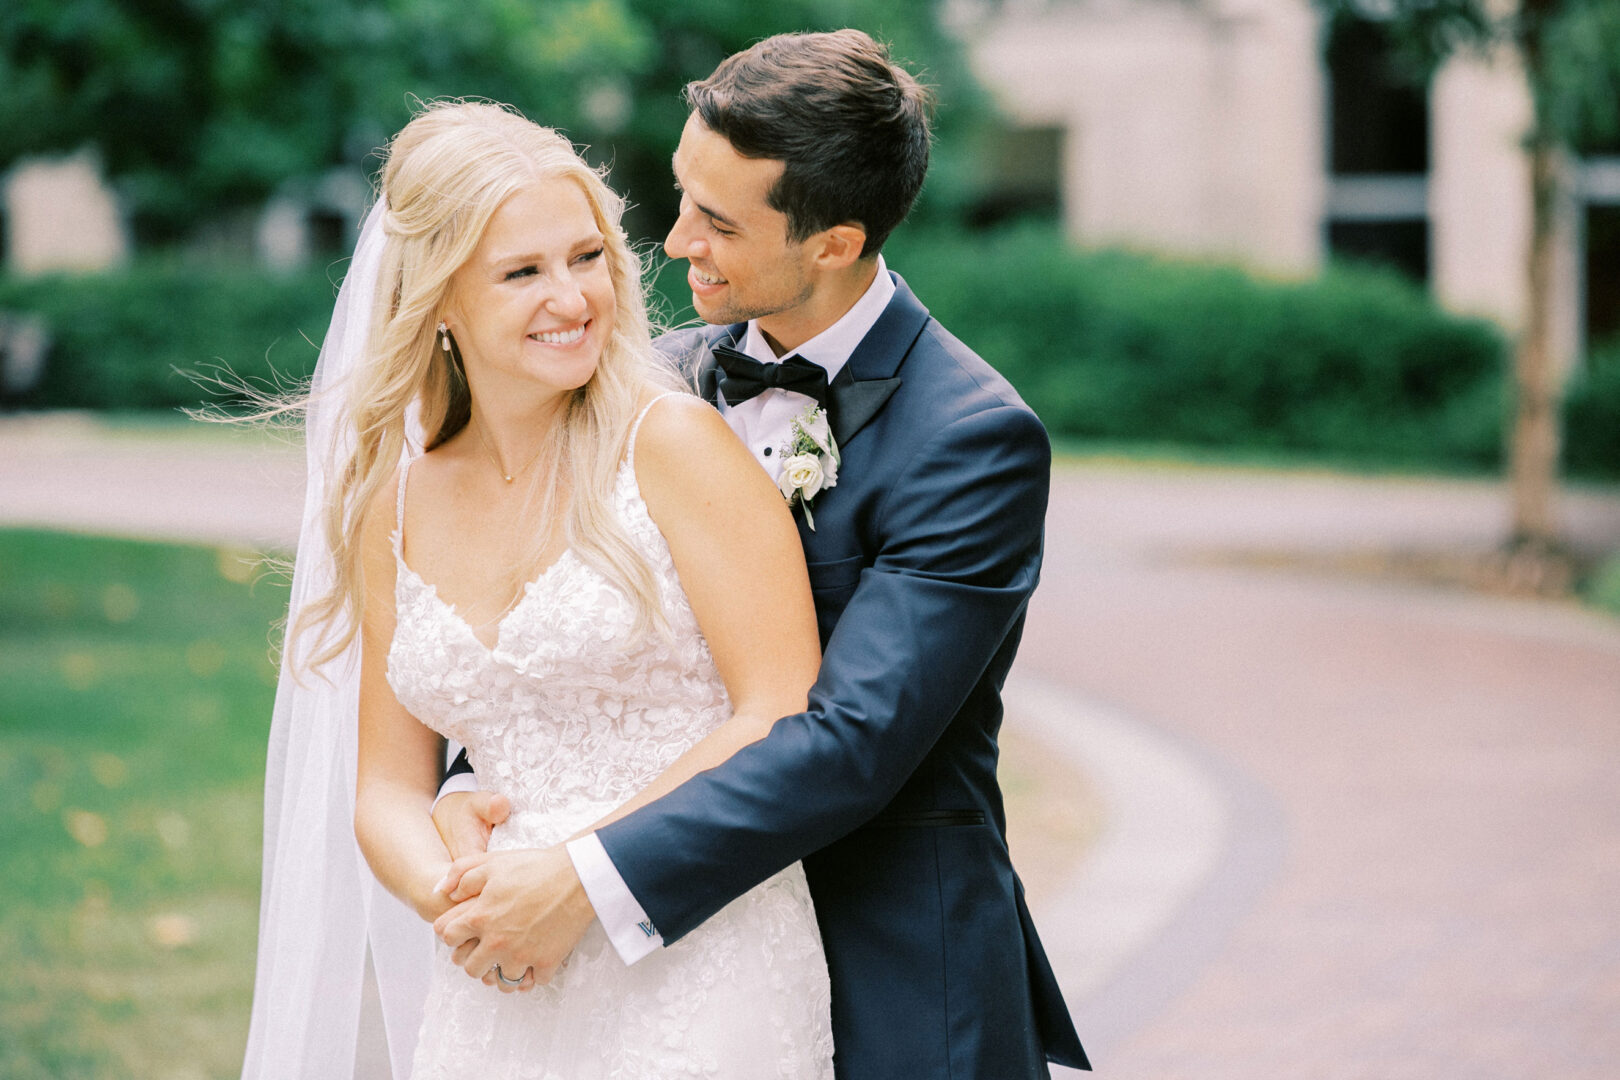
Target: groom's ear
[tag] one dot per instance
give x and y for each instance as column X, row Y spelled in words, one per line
column 840, row 246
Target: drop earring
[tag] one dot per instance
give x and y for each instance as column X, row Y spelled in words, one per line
column 444, row 336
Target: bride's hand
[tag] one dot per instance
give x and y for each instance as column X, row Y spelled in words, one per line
column 455, row 886
column 432, row 900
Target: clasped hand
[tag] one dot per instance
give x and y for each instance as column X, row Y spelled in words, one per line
column 523, row 910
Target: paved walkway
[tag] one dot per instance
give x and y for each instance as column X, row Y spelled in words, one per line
column 1354, row 829
column 1420, row 861
column 166, row 481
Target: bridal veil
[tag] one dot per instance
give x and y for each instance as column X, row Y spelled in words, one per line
column 320, row 907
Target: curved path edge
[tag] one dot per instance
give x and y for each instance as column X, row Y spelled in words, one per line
column 1187, row 845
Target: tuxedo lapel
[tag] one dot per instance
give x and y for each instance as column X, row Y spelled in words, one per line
column 851, row 403
column 708, row 372
column 865, row 384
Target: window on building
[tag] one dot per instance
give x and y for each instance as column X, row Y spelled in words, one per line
column 1602, row 273
column 1020, row 176
column 1379, row 121
column 1378, row 152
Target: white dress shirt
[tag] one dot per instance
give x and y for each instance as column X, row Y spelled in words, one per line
column 762, row 423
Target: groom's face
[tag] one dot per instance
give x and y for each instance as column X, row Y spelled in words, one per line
column 744, row 265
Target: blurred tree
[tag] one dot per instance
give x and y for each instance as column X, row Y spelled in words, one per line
column 1570, row 53
column 201, row 107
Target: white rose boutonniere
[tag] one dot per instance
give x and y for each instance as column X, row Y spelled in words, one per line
column 810, row 460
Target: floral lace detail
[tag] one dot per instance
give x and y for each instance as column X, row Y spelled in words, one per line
column 572, row 712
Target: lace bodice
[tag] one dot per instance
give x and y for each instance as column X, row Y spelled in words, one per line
column 570, row 713
column 573, row 710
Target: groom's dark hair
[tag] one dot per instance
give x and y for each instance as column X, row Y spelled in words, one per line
column 848, row 124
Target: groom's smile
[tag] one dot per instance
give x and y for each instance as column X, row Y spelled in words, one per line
column 703, row 281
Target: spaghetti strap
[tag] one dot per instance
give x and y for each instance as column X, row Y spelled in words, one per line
column 635, row 428
column 399, row 509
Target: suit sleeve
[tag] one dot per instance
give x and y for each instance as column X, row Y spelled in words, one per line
column 959, row 548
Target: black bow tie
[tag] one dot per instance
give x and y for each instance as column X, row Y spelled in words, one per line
column 743, row 377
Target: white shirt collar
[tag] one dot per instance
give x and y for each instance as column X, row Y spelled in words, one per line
column 832, row 347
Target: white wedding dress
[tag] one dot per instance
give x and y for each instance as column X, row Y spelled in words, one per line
column 568, row 716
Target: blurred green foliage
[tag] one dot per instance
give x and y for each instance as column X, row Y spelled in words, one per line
column 141, row 338
column 135, row 688
column 1592, row 420
column 200, row 107
column 1357, row 366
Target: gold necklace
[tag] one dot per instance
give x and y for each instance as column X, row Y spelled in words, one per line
column 507, row 476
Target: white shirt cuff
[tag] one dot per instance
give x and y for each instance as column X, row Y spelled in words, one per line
column 463, row 781
column 632, row 933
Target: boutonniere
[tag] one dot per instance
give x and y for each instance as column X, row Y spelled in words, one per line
column 809, row 460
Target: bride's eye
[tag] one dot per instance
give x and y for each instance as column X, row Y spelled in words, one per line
column 527, row 271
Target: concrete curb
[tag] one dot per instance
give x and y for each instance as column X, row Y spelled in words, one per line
column 1187, row 845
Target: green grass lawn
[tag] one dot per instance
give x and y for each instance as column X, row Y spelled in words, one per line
column 136, row 682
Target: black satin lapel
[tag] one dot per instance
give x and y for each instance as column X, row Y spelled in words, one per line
column 865, row 383
column 852, row 404
column 707, row 374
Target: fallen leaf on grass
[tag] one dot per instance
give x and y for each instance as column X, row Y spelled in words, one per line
column 171, row 930
column 87, row 828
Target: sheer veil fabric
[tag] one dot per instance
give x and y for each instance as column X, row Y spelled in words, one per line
column 320, row 905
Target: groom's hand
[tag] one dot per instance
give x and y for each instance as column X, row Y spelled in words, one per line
column 519, row 909
column 464, row 820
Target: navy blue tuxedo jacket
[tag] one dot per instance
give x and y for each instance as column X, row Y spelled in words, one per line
column 922, row 562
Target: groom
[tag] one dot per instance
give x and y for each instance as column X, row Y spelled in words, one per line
column 799, row 157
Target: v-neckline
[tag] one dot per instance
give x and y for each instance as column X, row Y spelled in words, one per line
column 626, row 466
column 528, row 589
column 525, row 590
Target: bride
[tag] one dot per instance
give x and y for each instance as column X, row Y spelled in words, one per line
column 582, row 576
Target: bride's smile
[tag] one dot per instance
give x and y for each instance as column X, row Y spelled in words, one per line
column 560, row 337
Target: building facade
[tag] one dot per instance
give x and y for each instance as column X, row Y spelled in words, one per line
column 1241, row 130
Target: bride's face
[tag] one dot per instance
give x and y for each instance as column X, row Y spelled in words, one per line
column 532, row 309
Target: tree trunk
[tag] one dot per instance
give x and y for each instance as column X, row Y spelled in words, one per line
column 1534, row 446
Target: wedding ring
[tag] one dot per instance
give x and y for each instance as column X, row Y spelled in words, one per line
column 501, row 975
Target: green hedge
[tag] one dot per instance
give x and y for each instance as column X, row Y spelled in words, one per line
column 1355, row 366
column 1114, row 346
column 126, row 340
column 1592, row 423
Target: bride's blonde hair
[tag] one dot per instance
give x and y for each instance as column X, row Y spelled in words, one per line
column 446, row 174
